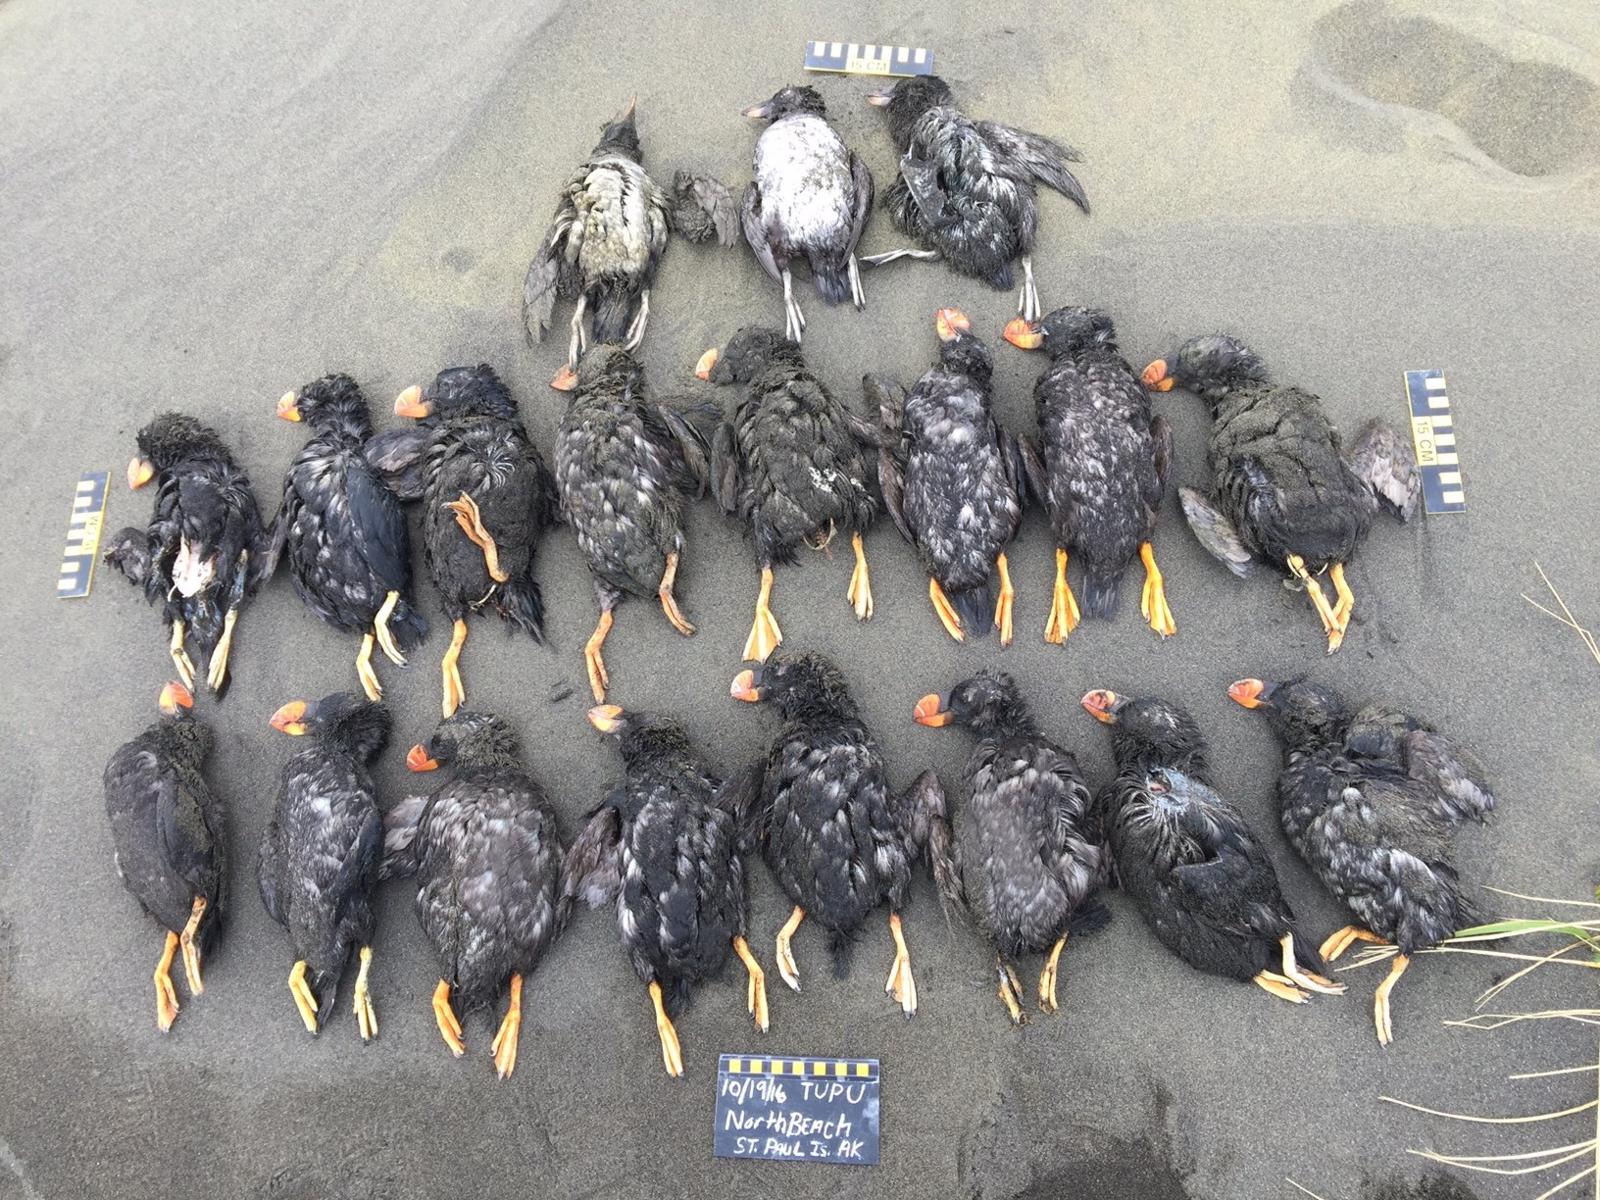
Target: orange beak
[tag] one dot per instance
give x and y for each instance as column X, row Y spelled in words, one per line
column 410, row 403
column 1247, row 692
column 289, row 406
column 140, row 472
column 566, row 379
column 604, row 717
column 745, row 687
column 1024, row 335
column 1155, row 376
column 173, row 697
column 930, row 710
column 702, row 369
column 417, row 760
column 1101, row 705
column 948, row 322
column 291, row 718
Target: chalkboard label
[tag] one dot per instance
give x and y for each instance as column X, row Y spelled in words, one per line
column 822, row 1110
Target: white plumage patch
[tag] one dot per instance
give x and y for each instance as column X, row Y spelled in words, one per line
column 192, row 574
column 802, row 172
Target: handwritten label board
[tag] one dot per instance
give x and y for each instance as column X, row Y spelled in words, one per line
column 822, row 1110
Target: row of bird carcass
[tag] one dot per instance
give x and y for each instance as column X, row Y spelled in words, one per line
column 1369, row 798
column 793, row 463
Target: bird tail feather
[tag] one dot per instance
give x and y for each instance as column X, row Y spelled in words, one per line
column 523, row 604
column 841, row 944
column 1090, row 917
column 612, row 315
column 832, row 279
column 408, row 625
column 675, row 996
column 975, row 607
column 1100, row 594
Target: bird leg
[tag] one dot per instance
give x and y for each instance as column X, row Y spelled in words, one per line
column 1280, row 986
column 366, row 1015
column 641, row 319
column 948, row 617
column 756, row 995
column 191, row 952
column 166, row 994
column 671, row 1051
column 364, row 671
column 1047, row 977
column 857, row 296
column 1153, row 601
column 471, row 522
column 1002, row 608
column 1339, row 942
column 1309, row 980
column 1347, row 598
column 218, row 669
column 1028, row 302
column 1380, row 999
column 784, row 956
column 669, row 602
column 764, row 633
column 860, row 592
column 455, row 692
column 1319, row 601
column 380, row 627
column 1064, row 614
column 901, row 985
column 599, row 680
column 180, row 657
column 794, row 322
column 445, row 1017
column 580, row 341
column 504, row 1047
column 304, row 1001
column 1010, row 992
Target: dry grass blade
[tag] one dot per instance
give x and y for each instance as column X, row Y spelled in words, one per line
column 1301, row 1188
column 1565, row 615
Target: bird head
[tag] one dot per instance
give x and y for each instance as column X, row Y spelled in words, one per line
column 801, row 685
column 620, row 134
column 1066, row 331
column 605, row 365
column 334, row 401
column 169, row 440
column 344, row 718
column 786, row 101
column 175, row 700
column 467, row 739
column 459, row 391
column 960, row 350
column 1301, row 711
column 1149, row 730
column 748, row 353
column 907, row 100
column 986, row 703
column 1211, row 366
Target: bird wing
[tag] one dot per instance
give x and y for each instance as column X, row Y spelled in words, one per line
column 187, row 841
column 889, row 396
column 861, row 189
column 1042, row 158
column 755, row 232
column 1014, row 463
column 593, row 866
column 670, row 423
column 696, row 196
column 400, row 825
column 359, row 870
column 740, row 795
column 1033, row 468
column 1216, row 533
column 1385, row 465
column 1450, row 769
column 922, row 814
column 380, row 524
column 1161, row 435
column 922, row 181
column 282, row 522
column 725, row 468
column 401, row 457
column 552, row 273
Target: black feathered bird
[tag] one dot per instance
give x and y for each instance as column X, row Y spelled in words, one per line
column 808, row 202
column 320, row 855
column 1101, row 465
column 838, row 840
column 1028, row 860
column 791, row 464
column 488, row 498
column 1284, row 491
column 487, row 854
column 624, row 462
column 610, row 230
column 966, row 190
column 1189, row 859
column 666, row 847
column 953, row 479
column 1372, row 800
column 169, row 831
column 203, row 552
column 344, row 530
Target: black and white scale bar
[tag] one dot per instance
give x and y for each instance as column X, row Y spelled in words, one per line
column 83, row 535
column 853, row 58
column 1433, row 433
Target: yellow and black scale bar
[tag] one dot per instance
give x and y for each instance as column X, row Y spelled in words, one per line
column 835, row 1068
column 83, row 535
column 855, row 58
column 1433, row 434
